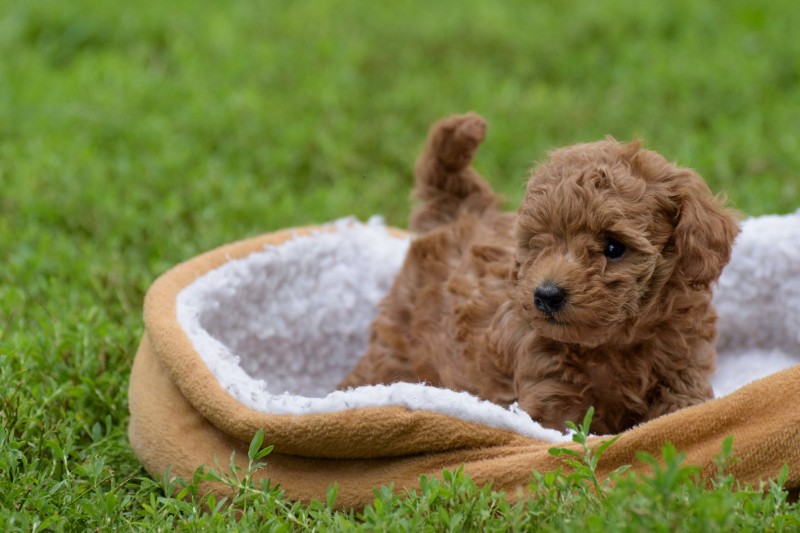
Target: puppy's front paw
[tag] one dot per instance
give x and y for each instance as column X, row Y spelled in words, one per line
column 453, row 140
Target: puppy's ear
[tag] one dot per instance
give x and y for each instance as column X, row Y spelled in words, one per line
column 704, row 230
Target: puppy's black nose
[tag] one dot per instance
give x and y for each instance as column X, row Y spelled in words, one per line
column 549, row 297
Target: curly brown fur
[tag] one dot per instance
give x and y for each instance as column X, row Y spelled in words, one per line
column 536, row 307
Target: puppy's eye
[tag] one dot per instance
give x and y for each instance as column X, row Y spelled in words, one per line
column 614, row 249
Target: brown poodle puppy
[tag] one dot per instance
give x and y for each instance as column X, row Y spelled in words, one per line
column 595, row 293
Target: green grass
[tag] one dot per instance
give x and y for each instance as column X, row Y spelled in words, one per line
column 136, row 135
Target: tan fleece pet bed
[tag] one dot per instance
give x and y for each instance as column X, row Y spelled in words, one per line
column 257, row 334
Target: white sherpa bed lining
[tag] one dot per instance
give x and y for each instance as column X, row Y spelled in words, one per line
column 281, row 327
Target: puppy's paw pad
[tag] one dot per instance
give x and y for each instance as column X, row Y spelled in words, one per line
column 470, row 129
column 456, row 138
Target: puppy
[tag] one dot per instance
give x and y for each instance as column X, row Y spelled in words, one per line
column 595, row 293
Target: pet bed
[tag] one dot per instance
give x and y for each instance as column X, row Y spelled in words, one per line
column 256, row 334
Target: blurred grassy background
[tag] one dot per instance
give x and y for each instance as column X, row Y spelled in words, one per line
column 136, row 135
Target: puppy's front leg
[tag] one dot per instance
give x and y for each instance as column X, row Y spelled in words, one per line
column 688, row 388
column 551, row 402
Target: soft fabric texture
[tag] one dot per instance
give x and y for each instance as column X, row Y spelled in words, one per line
column 257, row 333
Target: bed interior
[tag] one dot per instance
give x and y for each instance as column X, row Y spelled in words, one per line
column 282, row 326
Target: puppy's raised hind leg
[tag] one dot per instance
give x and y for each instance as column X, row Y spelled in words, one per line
column 445, row 182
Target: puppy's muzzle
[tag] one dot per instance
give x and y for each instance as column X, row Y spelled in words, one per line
column 549, row 298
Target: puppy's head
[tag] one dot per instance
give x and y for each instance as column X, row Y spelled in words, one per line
column 606, row 228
